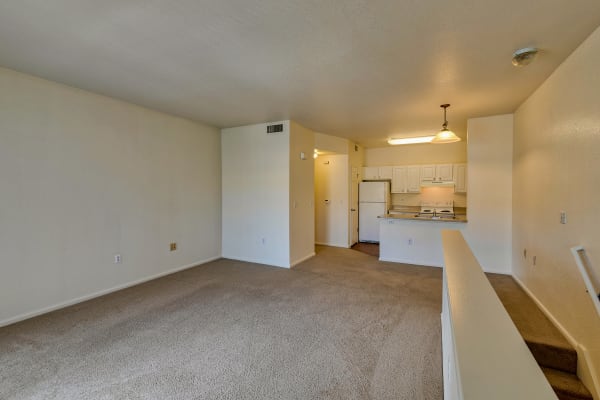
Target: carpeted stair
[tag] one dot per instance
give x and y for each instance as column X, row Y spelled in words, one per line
column 554, row 354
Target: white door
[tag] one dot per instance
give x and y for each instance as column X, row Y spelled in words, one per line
column 368, row 225
column 372, row 192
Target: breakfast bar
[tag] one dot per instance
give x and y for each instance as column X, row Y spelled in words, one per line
column 411, row 238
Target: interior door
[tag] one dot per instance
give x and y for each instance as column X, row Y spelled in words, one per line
column 354, row 207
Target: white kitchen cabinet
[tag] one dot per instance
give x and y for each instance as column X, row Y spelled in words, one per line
column 437, row 172
column 370, row 173
column 413, row 179
column 377, row 173
column 428, row 172
column 399, row 179
column 406, row 179
column 444, row 172
column 460, row 178
column 385, row 172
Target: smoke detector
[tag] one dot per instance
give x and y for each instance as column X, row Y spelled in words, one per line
column 524, row 56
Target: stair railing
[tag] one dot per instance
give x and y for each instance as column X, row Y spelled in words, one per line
column 592, row 283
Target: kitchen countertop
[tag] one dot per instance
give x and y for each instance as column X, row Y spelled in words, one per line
column 412, row 213
column 460, row 218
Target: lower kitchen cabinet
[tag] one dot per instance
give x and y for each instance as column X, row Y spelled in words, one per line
column 413, row 241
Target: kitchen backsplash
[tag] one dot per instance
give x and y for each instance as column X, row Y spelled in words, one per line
column 429, row 194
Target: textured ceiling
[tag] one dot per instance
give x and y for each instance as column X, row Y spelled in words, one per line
column 365, row 70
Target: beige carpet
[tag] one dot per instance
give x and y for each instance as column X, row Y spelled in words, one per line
column 339, row 326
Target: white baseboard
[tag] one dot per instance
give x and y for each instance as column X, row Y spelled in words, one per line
column 254, row 261
column 81, row 299
column 343, row 246
column 311, row 255
column 406, row 261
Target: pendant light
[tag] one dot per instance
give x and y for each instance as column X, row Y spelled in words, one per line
column 445, row 135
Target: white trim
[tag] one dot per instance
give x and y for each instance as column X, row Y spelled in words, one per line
column 343, row 246
column 548, row 314
column 585, row 367
column 81, row 299
column 407, row 261
column 254, row 261
column 311, row 255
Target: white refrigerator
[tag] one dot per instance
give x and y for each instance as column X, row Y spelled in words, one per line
column 374, row 200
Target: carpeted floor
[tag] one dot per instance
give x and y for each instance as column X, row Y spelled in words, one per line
column 339, row 326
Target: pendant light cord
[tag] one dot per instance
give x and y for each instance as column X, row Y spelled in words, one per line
column 445, row 124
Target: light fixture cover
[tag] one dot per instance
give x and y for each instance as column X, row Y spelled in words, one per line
column 445, row 135
column 524, row 56
column 411, row 140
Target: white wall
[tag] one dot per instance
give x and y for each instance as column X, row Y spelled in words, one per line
column 331, row 183
column 417, row 154
column 489, row 203
column 302, row 194
column 85, row 177
column 330, row 143
column 557, row 168
column 256, row 195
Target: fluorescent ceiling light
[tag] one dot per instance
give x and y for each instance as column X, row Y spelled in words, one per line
column 411, row 140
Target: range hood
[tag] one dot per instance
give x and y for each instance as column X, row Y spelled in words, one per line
column 437, row 184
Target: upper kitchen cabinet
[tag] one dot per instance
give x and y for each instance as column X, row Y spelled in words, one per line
column 460, row 178
column 377, row 173
column 399, row 178
column 438, row 172
column 413, row 179
column 406, row 179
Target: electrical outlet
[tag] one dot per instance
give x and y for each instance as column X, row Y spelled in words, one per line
column 118, row 259
column 173, row 246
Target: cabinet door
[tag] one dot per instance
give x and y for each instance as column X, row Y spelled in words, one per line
column 399, row 180
column 413, row 179
column 460, row 178
column 444, row 172
column 370, row 173
column 428, row 172
column 385, row 172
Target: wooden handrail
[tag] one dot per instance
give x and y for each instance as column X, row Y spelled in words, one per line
column 485, row 357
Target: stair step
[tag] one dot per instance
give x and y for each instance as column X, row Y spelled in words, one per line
column 566, row 386
column 552, row 356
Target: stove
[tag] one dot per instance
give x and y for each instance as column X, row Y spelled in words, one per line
column 437, row 209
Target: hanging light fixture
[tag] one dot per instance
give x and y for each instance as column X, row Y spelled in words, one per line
column 445, row 135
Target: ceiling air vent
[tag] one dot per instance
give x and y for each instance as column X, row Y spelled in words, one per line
column 275, row 128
